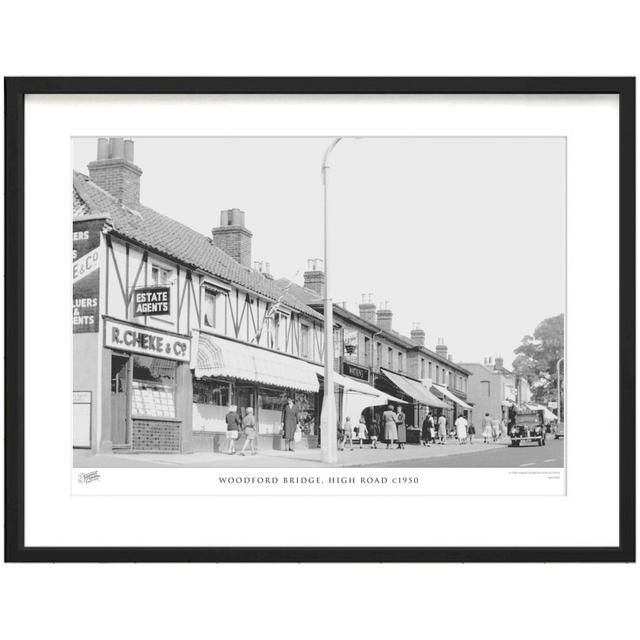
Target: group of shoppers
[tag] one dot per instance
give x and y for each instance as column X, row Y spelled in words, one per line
column 248, row 427
column 493, row 429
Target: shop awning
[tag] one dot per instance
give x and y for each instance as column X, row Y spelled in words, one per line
column 356, row 387
column 415, row 389
column 452, row 396
column 225, row 358
column 548, row 415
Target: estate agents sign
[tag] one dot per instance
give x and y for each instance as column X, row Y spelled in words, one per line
column 151, row 301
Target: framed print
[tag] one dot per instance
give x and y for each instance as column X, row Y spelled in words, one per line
column 320, row 319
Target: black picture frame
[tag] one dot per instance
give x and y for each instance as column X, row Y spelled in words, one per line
column 15, row 91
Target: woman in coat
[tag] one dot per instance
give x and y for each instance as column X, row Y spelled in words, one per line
column 402, row 427
column 290, row 420
column 390, row 429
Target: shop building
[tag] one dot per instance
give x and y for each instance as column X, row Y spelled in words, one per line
column 170, row 326
column 367, row 349
column 493, row 388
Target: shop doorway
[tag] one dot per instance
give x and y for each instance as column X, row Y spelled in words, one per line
column 120, row 371
column 245, row 397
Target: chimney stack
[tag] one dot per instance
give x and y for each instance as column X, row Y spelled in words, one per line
column 314, row 276
column 499, row 362
column 385, row 317
column 115, row 172
column 263, row 268
column 367, row 308
column 417, row 335
column 233, row 237
column 441, row 348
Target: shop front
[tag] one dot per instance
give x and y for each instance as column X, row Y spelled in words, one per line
column 147, row 380
column 229, row 372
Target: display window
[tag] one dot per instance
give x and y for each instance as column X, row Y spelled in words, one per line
column 211, row 400
column 153, row 387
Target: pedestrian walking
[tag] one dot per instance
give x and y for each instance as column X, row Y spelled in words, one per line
column 442, row 429
column 471, row 430
column 249, row 428
column 290, row 422
column 347, row 434
column 461, row 429
column 401, row 420
column 427, row 430
column 360, row 431
column 390, row 429
column 374, row 432
column 486, row 427
column 233, row 425
column 495, row 429
column 503, row 428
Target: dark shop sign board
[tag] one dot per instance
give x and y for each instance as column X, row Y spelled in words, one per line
column 151, row 301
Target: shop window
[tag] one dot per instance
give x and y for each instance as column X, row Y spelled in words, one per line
column 304, row 340
column 209, row 308
column 160, row 275
column 211, row 400
column 153, row 388
column 270, row 404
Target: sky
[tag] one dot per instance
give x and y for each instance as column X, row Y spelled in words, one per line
column 465, row 236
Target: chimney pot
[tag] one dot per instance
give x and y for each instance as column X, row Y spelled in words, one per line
column 114, row 171
column 103, row 148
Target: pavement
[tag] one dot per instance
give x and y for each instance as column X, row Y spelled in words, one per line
column 411, row 456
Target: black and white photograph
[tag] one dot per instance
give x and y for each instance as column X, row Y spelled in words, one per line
column 210, row 273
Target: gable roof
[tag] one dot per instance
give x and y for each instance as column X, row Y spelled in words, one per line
column 171, row 238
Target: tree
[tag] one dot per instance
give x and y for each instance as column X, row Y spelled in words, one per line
column 537, row 358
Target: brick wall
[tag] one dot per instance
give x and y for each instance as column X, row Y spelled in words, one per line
column 155, row 435
column 235, row 241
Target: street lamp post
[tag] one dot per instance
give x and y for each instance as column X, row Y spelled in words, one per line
column 328, row 424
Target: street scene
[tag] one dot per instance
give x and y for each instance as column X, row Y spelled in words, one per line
column 207, row 336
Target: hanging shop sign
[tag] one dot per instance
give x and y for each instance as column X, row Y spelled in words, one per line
column 360, row 373
column 86, row 275
column 151, row 301
column 128, row 337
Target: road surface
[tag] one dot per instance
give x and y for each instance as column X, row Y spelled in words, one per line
column 530, row 455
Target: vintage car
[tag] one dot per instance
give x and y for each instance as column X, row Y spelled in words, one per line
column 527, row 426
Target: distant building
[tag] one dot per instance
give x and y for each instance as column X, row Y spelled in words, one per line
column 493, row 388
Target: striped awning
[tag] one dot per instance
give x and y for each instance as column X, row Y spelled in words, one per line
column 451, row 396
column 414, row 389
column 218, row 357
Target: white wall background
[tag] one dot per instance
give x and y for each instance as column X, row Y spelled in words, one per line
column 331, row 38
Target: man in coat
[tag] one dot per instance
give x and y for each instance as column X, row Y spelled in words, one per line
column 290, row 421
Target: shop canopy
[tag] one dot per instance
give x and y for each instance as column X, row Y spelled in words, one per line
column 447, row 394
column 548, row 415
column 229, row 359
column 358, row 396
column 414, row 389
